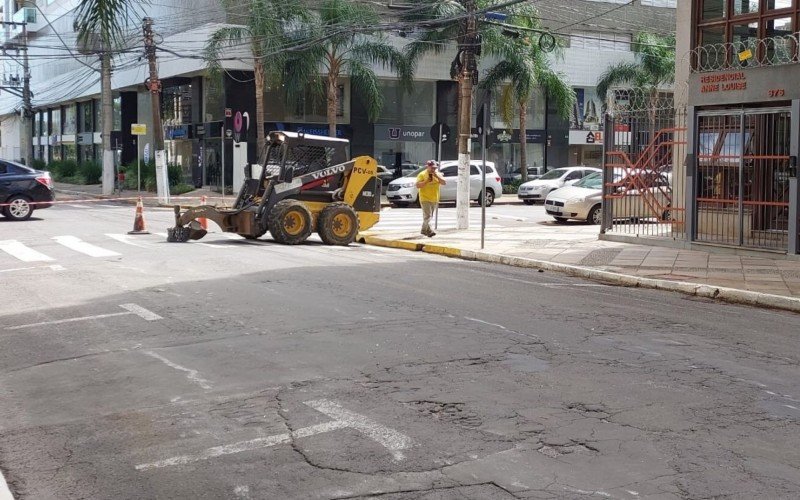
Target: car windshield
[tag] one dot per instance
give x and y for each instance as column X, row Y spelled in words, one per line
column 591, row 181
column 553, row 174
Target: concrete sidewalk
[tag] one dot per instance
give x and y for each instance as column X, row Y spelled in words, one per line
column 576, row 250
column 94, row 192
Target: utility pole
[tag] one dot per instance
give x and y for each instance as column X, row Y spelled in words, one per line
column 467, row 77
column 154, row 85
column 13, row 87
column 27, row 108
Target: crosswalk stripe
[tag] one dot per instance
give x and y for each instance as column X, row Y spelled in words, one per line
column 26, row 254
column 128, row 240
column 77, row 244
column 79, row 206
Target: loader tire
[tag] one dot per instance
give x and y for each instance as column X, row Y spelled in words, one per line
column 290, row 222
column 338, row 224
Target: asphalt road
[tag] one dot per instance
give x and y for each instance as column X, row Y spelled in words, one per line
column 134, row 368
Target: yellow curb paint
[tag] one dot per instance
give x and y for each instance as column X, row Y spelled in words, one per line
column 442, row 250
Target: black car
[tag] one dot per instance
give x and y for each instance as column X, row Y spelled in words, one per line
column 23, row 190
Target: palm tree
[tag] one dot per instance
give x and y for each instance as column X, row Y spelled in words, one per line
column 525, row 66
column 339, row 41
column 653, row 69
column 267, row 34
column 104, row 22
column 522, row 62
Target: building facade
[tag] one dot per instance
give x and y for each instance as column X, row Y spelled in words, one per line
column 200, row 113
column 743, row 123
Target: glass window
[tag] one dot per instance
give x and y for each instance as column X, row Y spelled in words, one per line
column 554, row 174
column 401, row 108
column 779, row 40
column 713, row 9
column 473, row 170
column 779, row 4
column 744, row 38
column 98, row 115
column 117, row 113
column 86, row 117
column 741, row 7
column 450, row 171
column 55, row 120
column 706, row 143
column 573, row 175
column 70, row 119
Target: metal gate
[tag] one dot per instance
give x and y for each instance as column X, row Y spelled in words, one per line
column 742, row 180
column 643, row 174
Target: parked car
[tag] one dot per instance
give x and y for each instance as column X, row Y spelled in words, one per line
column 583, row 200
column 537, row 190
column 514, row 174
column 403, row 191
column 23, row 190
column 386, row 176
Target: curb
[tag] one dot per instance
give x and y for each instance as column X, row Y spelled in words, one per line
column 732, row 295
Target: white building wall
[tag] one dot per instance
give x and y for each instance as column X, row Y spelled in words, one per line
column 10, row 138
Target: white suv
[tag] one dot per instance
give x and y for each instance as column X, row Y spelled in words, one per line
column 403, row 191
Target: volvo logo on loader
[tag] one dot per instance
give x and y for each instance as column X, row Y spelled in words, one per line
column 338, row 169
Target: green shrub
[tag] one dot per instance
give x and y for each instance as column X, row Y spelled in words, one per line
column 91, row 171
column 39, row 164
column 68, row 168
column 512, row 187
column 174, row 174
column 181, row 188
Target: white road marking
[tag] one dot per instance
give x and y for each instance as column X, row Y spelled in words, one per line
column 52, row 268
column 130, row 309
column 790, row 406
column 242, row 446
column 69, row 320
column 141, row 312
column 16, row 249
column 394, row 441
column 128, row 240
column 77, row 244
column 5, row 493
column 390, row 439
column 242, row 491
column 79, row 206
column 484, row 322
column 192, row 375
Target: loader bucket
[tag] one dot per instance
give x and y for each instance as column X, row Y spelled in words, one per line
column 179, row 234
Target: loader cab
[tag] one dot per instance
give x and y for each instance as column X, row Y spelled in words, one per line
column 291, row 154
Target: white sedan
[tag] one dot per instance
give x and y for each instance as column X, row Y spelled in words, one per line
column 538, row 189
column 640, row 195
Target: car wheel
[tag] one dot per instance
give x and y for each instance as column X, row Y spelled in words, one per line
column 595, row 215
column 560, row 220
column 528, row 202
column 18, row 208
column 489, row 198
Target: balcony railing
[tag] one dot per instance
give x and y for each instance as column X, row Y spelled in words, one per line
column 750, row 53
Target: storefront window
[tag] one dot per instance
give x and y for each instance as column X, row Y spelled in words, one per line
column 779, row 4
column 118, row 113
column 780, row 47
column 70, row 152
column 55, row 120
column 176, row 105
column 214, row 101
column 86, row 117
column 70, row 119
column 406, row 112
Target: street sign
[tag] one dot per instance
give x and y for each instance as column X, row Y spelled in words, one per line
column 228, row 112
column 435, row 132
column 138, row 129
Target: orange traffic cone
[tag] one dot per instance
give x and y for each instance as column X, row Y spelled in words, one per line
column 138, row 221
column 202, row 220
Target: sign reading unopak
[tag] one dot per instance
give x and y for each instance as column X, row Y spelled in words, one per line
column 138, row 129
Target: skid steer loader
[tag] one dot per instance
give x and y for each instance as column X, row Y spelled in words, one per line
column 306, row 184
